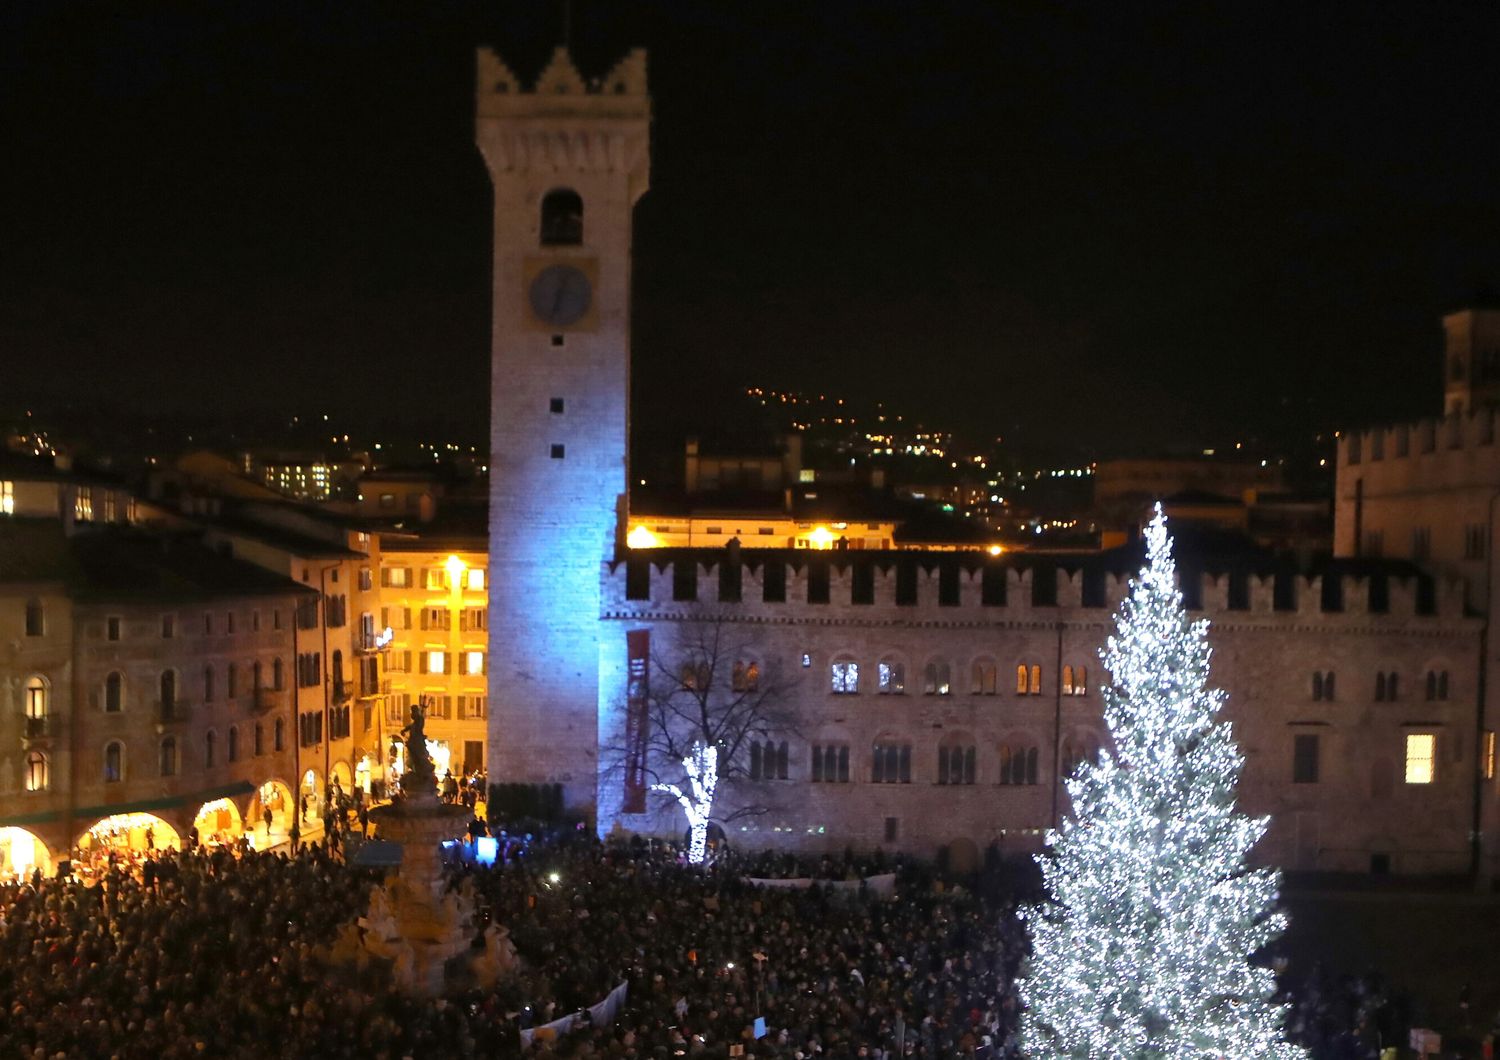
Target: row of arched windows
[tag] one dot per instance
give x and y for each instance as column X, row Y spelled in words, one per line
column 113, row 697
column 1387, row 686
column 937, row 678
column 168, row 754
column 891, row 761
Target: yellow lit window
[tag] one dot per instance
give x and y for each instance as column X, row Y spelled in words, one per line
column 1421, row 757
column 476, row 579
column 473, row 662
column 436, row 662
column 1488, row 756
column 7, row 498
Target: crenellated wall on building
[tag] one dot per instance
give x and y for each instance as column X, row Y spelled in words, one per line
column 986, row 629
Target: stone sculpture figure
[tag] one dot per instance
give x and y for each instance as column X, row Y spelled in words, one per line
column 420, row 778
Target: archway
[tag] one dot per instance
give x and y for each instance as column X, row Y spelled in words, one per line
column 310, row 798
column 276, row 797
column 364, row 774
column 343, row 778
column 218, row 823
column 21, row 853
column 126, row 835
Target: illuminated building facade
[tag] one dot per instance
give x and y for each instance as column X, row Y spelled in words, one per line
column 434, row 600
column 952, row 694
column 144, row 683
column 1427, row 492
column 568, row 160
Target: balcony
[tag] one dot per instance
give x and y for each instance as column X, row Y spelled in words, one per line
column 35, row 731
column 172, row 712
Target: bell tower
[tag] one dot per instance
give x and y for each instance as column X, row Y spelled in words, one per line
column 568, row 159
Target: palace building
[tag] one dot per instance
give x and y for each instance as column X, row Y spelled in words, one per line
column 930, row 700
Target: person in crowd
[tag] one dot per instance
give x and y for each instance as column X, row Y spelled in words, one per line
column 206, row 953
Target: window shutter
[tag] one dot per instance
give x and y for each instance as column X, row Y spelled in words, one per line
column 422, row 662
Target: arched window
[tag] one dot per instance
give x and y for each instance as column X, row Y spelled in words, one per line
column 114, row 762
column 956, row 763
column 1075, row 681
column 233, row 750
column 1021, row 684
column 255, row 674
column 167, row 756
column 209, row 739
column 1018, row 764
column 260, row 739
column 36, row 706
column 278, row 674
column 768, row 760
column 208, row 684
column 1077, row 751
column 562, row 218
column 982, row 679
column 168, row 684
column 937, row 678
column 745, row 677
column 231, row 680
column 337, row 673
column 278, row 735
column 892, row 674
column 36, row 619
column 830, row 763
column 1437, row 685
column 1386, row 687
column 37, row 772
column 844, row 677
column 890, row 762
column 114, row 692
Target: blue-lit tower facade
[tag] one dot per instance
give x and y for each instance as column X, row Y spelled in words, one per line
column 568, row 160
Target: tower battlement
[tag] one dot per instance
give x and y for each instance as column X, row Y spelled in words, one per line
column 561, row 90
column 800, row 586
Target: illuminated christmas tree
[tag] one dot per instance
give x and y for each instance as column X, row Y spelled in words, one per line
column 1146, row 950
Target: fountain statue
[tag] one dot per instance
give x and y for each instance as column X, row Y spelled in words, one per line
column 413, row 921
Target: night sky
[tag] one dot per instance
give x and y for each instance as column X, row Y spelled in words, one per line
column 1119, row 226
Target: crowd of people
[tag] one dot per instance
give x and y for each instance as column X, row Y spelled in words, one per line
column 222, row 953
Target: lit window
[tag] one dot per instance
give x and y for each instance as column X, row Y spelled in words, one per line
column 1075, row 681
column 7, row 498
column 475, row 579
column 473, row 662
column 436, row 662
column 36, row 704
column 937, row 679
column 1421, row 757
column 1487, row 755
column 982, row 678
column 36, row 771
column 845, row 678
column 892, row 678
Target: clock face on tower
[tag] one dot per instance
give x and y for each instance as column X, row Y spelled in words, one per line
column 560, row 295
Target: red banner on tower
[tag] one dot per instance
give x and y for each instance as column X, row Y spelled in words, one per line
column 637, row 718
